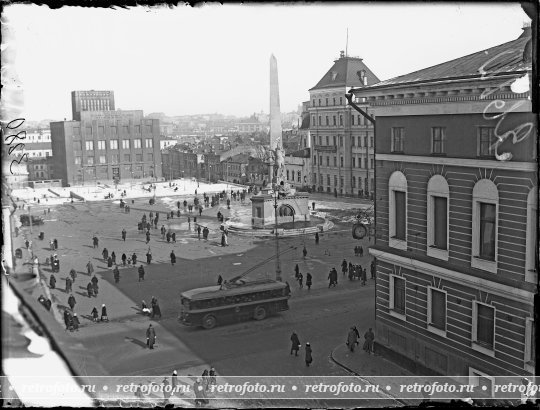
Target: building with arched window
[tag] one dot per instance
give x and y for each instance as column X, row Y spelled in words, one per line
column 456, row 215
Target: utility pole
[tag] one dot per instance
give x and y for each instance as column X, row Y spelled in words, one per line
column 278, row 264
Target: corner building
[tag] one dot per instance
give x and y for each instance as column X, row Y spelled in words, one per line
column 106, row 146
column 341, row 139
column 456, row 216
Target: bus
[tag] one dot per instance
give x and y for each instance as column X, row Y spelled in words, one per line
column 233, row 302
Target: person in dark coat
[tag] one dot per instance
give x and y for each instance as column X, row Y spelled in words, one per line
column 369, row 336
column 199, row 232
column 95, row 241
column 124, row 259
column 147, row 236
column 309, row 280
column 90, row 289
column 150, row 336
column 113, row 257
column 361, row 251
column 67, row 319
column 173, row 258
column 52, row 282
column 55, row 243
column 73, row 274
column 69, row 285
column 71, row 302
column 309, row 357
column 372, row 267
column 295, row 343
column 304, row 252
column 200, row 394
column 300, row 280
column 316, row 238
column 296, row 271
column 95, row 287
column 104, row 316
column 148, row 257
column 364, row 276
column 156, row 311
column 344, row 267
column 173, row 237
column 90, row 268
column 206, row 231
column 116, row 274
column 105, row 254
column 109, row 262
column 75, row 322
column 168, row 237
column 124, row 233
column 94, row 314
column 141, row 273
column 352, row 339
column 223, row 239
column 134, row 258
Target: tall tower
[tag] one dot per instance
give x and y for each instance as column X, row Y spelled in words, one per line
column 275, row 114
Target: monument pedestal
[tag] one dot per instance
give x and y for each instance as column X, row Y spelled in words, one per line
column 290, row 208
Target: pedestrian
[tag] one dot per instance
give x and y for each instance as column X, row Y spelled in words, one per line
column 124, row 233
column 199, row 232
column 185, row 205
column 72, row 301
column 90, row 268
column 219, row 280
column 300, row 280
column 113, row 256
column 67, row 319
column 148, row 256
column 104, row 316
column 223, row 239
column 27, row 243
column 173, row 237
column 55, row 243
column 90, row 289
column 124, row 259
column 109, row 262
column 295, row 343
column 313, row 206
column 105, row 254
column 308, row 280
column 364, row 276
column 212, row 376
column 150, row 336
column 168, row 237
column 141, row 273
column 148, row 237
column 316, row 238
column 352, row 339
column 369, row 337
column 356, row 250
column 361, row 251
column 95, row 287
column 95, row 242
column 304, row 252
column 134, row 258
column 75, row 322
column 173, row 258
column 144, row 308
column 69, row 284
column 206, row 231
column 73, row 274
column 200, row 394
column 296, row 271
column 200, row 210
column 372, row 267
column 116, row 274
column 52, row 282
column 94, row 314
column 309, row 357
column 51, row 245
column 344, row 267
column 156, row 311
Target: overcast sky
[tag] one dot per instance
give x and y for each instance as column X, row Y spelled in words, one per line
column 215, row 59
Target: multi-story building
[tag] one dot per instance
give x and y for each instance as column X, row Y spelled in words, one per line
column 257, row 171
column 234, row 168
column 298, row 169
column 342, row 140
column 180, row 161
column 40, row 169
column 106, row 146
column 91, row 101
column 37, row 143
column 456, row 215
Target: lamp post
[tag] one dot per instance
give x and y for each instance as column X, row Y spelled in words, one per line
column 278, row 264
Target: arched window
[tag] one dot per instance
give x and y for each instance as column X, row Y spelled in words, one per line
column 531, row 271
column 397, row 218
column 438, row 197
column 285, row 210
column 485, row 208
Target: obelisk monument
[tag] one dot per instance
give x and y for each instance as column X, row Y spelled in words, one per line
column 276, row 143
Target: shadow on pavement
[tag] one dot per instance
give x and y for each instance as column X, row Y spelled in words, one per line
column 137, row 342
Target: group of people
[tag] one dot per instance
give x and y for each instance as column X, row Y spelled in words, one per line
column 295, row 347
column 155, row 310
column 358, row 251
column 300, row 278
column 354, row 335
column 354, row 271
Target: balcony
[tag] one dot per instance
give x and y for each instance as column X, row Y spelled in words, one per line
column 326, row 148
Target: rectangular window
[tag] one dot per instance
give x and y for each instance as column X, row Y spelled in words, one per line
column 397, row 294
column 335, row 161
column 397, row 139
column 483, row 325
column 326, row 101
column 341, row 120
column 320, row 160
column 436, row 309
column 90, row 160
column 320, row 117
column 438, row 140
column 77, row 145
column 138, row 157
column 148, row 129
column 334, row 100
column 298, row 176
column 485, row 140
column 360, row 120
column 114, row 158
column 327, row 120
column 101, row 130
column 327, row 140
column 320, row 140
column 287, row 175
column 125, row 144
column 335, row 180
column 341, row 182
column 352, row 119
column 365, row 141
column 354, row 162
column 101, row 145
column 313, row 120
column 127, row 158
column 440, row 219
column 353, row 141
column 148, row 142
column 399, row 208
column 334, row 120
column 89, row 145
column 340, row 100
column 327, row 179
column 341, row 161
column 487, row 231
column 340, row 141
column 353, row 181
column 137, row 129
column 78, row 160
column 372, row 163
column 113, row 144
column 137, row 143
column 102, row 159
column 314, row 160
column 327, row 161
column 334, row 140
column 372, row 142
column 125, row 129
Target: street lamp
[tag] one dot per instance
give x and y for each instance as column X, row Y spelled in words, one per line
column 278, row 264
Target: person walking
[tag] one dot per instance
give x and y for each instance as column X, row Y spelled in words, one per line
column 141, row 273
column 147, row 236
column 113, row 257
column 116, row 274
column 150, row 336
column 124, row 234
column 168, row 236
column 296, row 271
column 219, row 280
column 156, row 311
column 200, row 394
column 55, row 243
column 173, row 237
column 124, row 259
column 223, row 239
column 95, row 242
column 309, row 357
column 134, row 258
column 364, row 276
column 52, row 282
column 104, row 316
column 316, row 238
column 199, row 232
column 308, row 280
column 149, row 256
column 94, row 314
column 109, row 262
column 95, row 287
column 372, row 268
column 295, row 343
column 72, row 301
column 67, row 319
column 300, row 280
column 334, row 276
column 90, row 268
column 304, row 252
column 352, row 339
column 361, row 251
column 344, row 267
column 206, row 231
column 69, row 285
column 369, row 337
column 73, row 274
column 90, row 289
column 105, row 254
column 173, row 258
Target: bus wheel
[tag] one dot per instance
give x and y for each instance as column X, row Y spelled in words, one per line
column 260, row 313
column 209, row 322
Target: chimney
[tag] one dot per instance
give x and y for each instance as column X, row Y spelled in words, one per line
column 341, row 54
column 526, row 30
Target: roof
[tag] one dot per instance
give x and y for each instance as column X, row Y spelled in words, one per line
column 239, row 158
column 504, row 58
column 345, row 72
column 217, row 291
column 303, row 153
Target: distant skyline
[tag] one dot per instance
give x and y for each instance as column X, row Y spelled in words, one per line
column 215, row 59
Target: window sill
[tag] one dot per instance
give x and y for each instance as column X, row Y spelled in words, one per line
column 398, row 315
column 437, row 253
column 484, row 264
column 482, row 349
column 436, row 330
column 397, row 243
